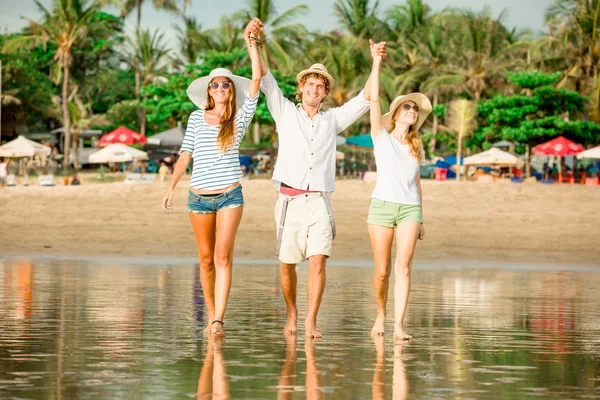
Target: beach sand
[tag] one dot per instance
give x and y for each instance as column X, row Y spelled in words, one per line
column 463, row 221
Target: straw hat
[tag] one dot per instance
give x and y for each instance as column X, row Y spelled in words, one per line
column 316, row 69
column 197, row 89
column 420, row 100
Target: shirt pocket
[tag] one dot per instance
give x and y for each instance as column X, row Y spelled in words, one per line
column 325, row 133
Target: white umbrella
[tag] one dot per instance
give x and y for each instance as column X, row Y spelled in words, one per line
column 23, row 147
column 117, row 152
column 590, row 153
column 492, row 157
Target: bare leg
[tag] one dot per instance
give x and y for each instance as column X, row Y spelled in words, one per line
column 288, row 278
column 378, row 391
column 400, row 383
column 382, row 238
column 228, row 221
column 204, row 227
column 406, row 239
column 316, row 285
column 205, row 382
column 220, row 382
column 313, row 380
column 288, row 372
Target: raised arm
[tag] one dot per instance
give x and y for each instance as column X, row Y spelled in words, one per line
column 251, row 35
column 378, row 51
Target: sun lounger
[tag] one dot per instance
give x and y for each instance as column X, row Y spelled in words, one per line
column 133, row 178
column 148, row 178
column 46, row 180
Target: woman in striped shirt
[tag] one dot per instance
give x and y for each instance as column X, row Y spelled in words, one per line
column 215, row 200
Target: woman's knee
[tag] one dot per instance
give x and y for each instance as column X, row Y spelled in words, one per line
column 207, row 262
column 382, row 273
column 402, row 266
column 223, row 259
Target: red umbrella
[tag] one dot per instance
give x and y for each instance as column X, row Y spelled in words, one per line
column 559, row 146
column 122, row 135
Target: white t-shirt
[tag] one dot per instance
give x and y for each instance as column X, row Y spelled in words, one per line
column 3, row 169
column 397, row 171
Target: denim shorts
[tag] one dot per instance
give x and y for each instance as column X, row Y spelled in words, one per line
column 386, row 213
column 199, row 204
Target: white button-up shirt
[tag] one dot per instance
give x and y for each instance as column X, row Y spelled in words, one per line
column 306, row 157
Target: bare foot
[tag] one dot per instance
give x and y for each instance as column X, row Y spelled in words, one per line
column 379, row 326
column 290, row 326
column 310, row 328
column 400, row 335
column 217, row 328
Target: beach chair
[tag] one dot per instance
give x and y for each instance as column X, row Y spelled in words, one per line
column 148, row 178
column 46, row 180
column 133, row 178
column 10, row 180
column 592, row 181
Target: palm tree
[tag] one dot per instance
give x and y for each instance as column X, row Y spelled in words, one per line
column 358, row 17
column 149, row 53
column 192, row 40
column 64, row 28
column 127, row 8
column 573, row 45
column 282, row 38
column 461, row 119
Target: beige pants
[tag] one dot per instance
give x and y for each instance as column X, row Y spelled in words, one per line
column 307, row 228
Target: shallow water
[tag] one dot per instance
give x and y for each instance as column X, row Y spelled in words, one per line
column 79, row 329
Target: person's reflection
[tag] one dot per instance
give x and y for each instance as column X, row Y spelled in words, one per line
column 213, row 378
column 313, row 380
column 400, row 383
column 379, row 377
column 287, row 381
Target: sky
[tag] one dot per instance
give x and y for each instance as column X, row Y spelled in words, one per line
column 520, row 13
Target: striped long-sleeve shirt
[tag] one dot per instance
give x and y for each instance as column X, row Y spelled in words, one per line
column 213, row 169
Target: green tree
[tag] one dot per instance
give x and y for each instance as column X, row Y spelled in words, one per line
column 65, row 27
column 533, row 119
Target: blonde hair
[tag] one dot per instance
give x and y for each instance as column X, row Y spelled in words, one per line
column 226, row 135
column 412, row 137
column 305, row 78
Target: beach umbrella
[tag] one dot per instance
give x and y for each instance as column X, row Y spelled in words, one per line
column 122, row 135
column 360, row 141
column 171, row 137
column 559, row 146
column 117, row 152
column 590, row 153
column 23, row 147
column 493, row 157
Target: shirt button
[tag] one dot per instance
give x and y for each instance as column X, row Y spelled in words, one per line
column 312, row 154
column 310, row 168
column 312, row 140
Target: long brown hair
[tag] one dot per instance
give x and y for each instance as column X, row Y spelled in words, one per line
column 226, row 135
column 412, row 137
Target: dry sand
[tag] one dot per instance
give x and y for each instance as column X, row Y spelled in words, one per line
column 466, row 221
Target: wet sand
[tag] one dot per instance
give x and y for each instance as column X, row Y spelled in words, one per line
column 466, row 221
column 77, row 330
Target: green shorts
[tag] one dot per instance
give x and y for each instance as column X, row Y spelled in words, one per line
column 386, row 213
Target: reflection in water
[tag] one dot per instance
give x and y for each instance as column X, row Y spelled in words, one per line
column 83, row 330
column 213, row 376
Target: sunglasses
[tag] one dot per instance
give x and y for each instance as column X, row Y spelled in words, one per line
column 407, row 106
column 216, row 85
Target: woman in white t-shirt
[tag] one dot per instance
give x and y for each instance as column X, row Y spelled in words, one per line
column 396, row 200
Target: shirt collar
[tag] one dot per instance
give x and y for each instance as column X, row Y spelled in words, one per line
column 303, row 111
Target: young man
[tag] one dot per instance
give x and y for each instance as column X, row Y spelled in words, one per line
column 304, row 176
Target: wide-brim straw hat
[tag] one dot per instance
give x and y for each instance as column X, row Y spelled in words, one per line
column 318, row 69
column 420, row 100
column 197, row 90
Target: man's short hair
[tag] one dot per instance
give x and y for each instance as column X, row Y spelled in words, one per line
column 305, row 78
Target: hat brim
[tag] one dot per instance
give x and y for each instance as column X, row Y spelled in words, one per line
column 325, row 75
column 420, row 100
column 197, row 91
